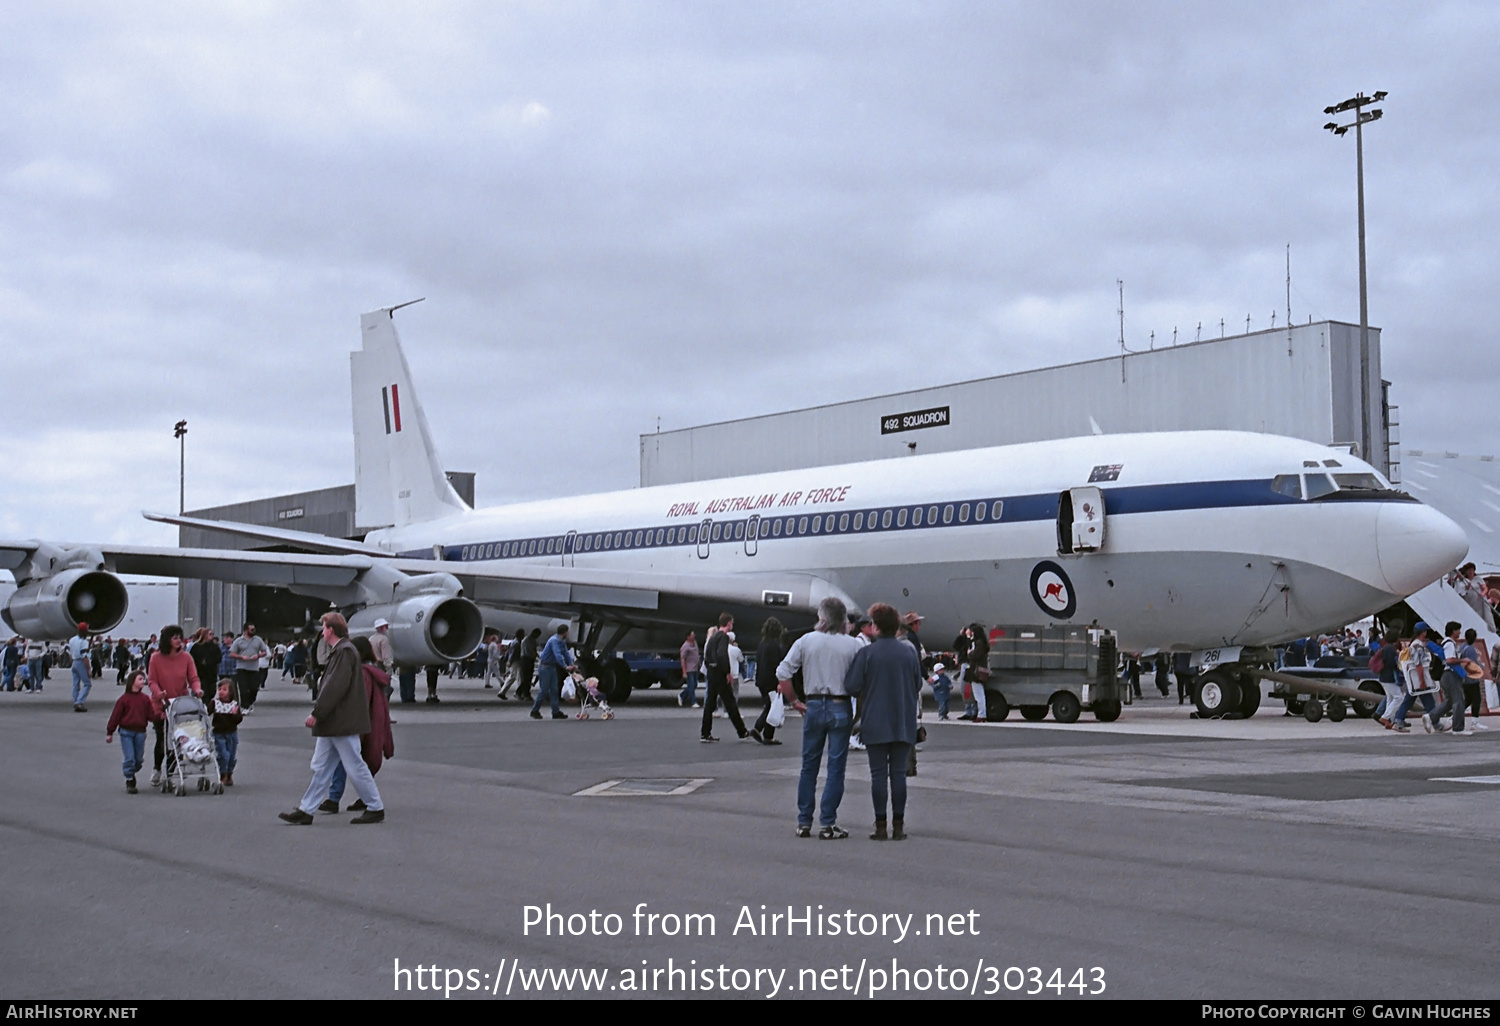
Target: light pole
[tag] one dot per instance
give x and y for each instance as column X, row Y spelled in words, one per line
column 179, row 432
column 1362, row 117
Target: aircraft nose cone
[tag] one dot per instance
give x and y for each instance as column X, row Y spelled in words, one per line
column 1416, row 545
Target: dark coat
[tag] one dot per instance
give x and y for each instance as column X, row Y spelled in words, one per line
column 886, row 677
column 378, row 744
column 342, row 708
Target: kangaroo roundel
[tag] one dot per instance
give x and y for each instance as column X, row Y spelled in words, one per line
column 1052, row 590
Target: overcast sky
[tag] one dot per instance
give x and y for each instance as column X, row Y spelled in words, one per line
column 692, row 211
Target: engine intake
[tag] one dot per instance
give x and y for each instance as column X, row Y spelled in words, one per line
column 426, row 629
column 53, row 607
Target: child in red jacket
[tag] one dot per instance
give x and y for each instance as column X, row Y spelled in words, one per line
column 131, row 715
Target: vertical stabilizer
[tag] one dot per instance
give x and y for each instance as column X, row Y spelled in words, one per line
column 398, row 477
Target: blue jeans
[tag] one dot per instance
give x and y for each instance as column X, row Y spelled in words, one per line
column 133, row 751
column 8, row 678
column 408, row 679
column 824, row 722
column 888, row 761
column 227, row 747
column 81, row 681
column 335, row 751
column 1405, row 707
column 1453, row 700
column 546, row 688
column 689, row 693
column 34, row 667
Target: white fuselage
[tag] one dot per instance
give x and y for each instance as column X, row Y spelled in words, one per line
column 1198, row 550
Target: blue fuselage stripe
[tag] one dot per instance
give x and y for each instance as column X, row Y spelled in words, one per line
column 1122, row 501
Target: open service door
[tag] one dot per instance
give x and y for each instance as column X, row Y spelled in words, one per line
column 1080, row 520
column 1088, row 519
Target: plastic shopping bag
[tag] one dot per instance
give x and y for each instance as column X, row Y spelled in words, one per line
column 777, row 716
column 569, row 691
column 1491, row 696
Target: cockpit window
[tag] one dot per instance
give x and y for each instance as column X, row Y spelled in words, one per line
column 1289, row 485
column 1332, row 463
column 1358, row 483
column 1319, row 485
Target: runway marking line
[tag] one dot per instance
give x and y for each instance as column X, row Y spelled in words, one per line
column 669, row 788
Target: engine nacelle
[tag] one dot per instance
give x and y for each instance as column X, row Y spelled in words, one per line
column 426, row 629
column 53, row 607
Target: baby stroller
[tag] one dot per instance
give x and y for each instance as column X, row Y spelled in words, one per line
column 590, row 697
column 191, row 754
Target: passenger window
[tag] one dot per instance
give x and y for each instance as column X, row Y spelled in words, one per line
column 660, row 534
column 979, row 511
column 817, row 524
column 802, row 526
column 1319, row 485
column 638, row 539
column 531, row 548
column 776, row 528
column 900, row 517
column 932, row 514
column 916, row 517
column 1289, row 485
column 739, row 530
column 718, row 531
column 885, row 518
column 963, row 513
column 692, row 535
column 859, row 521
column 947, row 514
column 996, row 509
column 844, row 522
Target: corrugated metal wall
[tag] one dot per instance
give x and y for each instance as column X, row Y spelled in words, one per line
column 1302, row 382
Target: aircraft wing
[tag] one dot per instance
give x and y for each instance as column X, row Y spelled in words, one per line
column 642, row 597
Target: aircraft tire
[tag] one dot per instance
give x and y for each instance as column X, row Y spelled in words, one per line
column 1065, row 707
column 1249, row 696
column 1337, row 710
column 996, row 708
column 1216, row 695
column 1107, row 711
column 1312, row 710
column 1294, row 706
column 1362, row 710
column 1033, row 713
column 619, row 691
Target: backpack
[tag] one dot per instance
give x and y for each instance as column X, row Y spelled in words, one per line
column 1377, row 664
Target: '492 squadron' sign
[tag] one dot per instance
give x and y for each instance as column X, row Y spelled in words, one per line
column 917, row 419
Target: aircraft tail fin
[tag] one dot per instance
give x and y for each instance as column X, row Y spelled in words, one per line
column 398, row 475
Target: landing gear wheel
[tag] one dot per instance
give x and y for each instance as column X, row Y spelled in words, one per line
column 1363, row 710
column 996, row 708
column 1312, row 710
column 1216, row 695
column 1033, row 713
column 1337, row 710
column 619, row 692
column 1249, row 696
column 1107, row 711
column 1065, row 707
column 1294, row 706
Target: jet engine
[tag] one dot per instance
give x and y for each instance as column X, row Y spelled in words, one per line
column 426, row 629
column 52, row 608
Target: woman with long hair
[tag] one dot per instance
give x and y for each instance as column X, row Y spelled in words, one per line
column 768, row 656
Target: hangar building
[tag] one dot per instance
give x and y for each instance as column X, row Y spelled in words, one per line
column 1302, row 381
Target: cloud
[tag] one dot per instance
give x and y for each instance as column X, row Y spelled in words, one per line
column 620, row 212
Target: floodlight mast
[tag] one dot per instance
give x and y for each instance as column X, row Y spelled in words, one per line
column 1362, row 117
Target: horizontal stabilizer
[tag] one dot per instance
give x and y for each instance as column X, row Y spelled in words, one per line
column 278, row 535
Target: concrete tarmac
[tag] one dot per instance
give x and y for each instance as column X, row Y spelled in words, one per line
column 1157, row 857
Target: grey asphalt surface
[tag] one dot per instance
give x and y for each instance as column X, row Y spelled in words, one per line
column 1269, row 859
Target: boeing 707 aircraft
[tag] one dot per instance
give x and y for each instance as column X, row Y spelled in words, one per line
column 1195, row 540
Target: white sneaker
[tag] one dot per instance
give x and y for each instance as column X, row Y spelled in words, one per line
column 1427, row 723
column 1478, row 726
column 156, row 778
